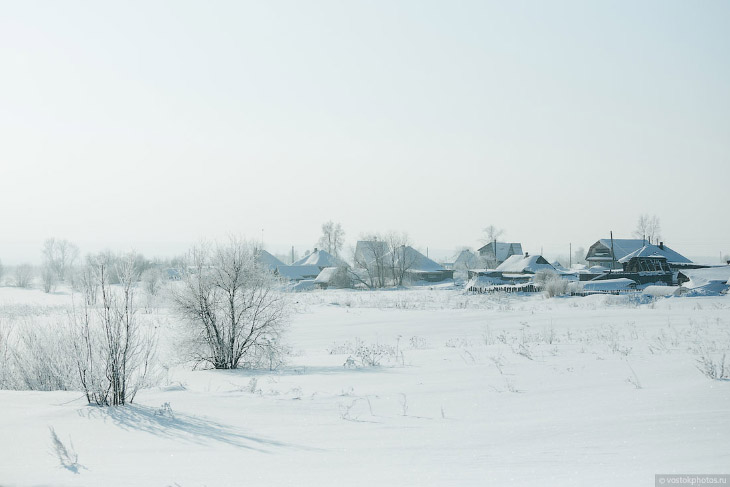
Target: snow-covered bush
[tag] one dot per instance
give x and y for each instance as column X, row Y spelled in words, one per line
column 551, row 282
column 152, row 280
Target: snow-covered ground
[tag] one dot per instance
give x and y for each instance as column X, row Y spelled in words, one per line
column 470, row 390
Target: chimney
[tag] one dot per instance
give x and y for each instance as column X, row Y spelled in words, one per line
column 661, row 245
column 315, row 250
column 527, row 254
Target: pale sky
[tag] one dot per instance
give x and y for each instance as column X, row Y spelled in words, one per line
column 151, row 125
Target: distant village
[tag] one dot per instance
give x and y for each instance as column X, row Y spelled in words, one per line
column 612, row 266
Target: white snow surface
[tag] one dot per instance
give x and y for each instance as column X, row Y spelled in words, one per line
column 471, row 390
column 701, row 277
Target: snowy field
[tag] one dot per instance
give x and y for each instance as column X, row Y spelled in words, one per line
column 420, row 387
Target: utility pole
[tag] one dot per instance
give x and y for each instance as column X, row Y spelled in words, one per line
column 570, row 255
column 613, row 256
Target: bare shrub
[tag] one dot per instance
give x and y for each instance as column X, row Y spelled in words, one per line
column 24, row 275
column 113, row 353
column 42, row 358
column 48, row 279
column 234, row 313
column 369, row 354
column 713, row 366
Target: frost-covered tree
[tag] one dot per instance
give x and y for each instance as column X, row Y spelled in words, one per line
column 333, row 237
column 153, row 279
column 492, row 233
column 59, row 255
column 648, row 227
column 233, row 309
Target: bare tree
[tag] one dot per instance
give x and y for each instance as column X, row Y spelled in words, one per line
column 371, row 261
column 401, row 258
column 332, row 237
column 59, row 255
column 23, row 275
column 492, row 234
column 648, row 227
column 113, row 353
column 234, row 312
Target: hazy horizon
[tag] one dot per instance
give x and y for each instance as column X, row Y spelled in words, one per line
column 154, row 125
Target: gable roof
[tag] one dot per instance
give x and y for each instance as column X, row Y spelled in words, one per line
column 367, row 250
column 321, row 258
column 504, row 250
column 417, row 261
column 524, row 264
column 467, row 259
column 330, row 274
column 266, row 259
column 625, row 246
column 645, row 251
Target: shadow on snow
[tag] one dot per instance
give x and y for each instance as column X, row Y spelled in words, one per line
column 176, row 426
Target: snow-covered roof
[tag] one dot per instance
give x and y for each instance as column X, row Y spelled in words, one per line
column 625, row 246
column 467, row 259
column 597, row 269
column 504, row 250
column 524, row 264
column 645, row 251
column 266, row 259
column 366, row 251
column 321, row 258
column 298, row 272
column 416, row 261
column 327, row 274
